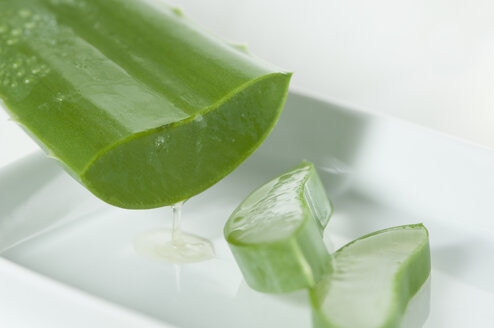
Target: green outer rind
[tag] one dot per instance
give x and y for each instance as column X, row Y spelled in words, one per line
column 408, row 280
column 287, row 264
column 193, row 189
column 87, row 78
column 316, row 183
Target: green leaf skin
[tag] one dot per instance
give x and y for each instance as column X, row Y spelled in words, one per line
column 275, row 234
column 138, row 104
column 373, row 280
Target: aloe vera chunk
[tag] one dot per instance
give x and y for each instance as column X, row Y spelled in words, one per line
column 275, row 234
column 138, row 104
column 373, row 280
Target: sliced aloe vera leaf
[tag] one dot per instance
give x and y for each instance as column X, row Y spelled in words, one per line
column 275, row 234
column 373, row 279
column 139, row 104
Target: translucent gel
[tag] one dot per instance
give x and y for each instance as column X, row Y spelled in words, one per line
column 174, row 245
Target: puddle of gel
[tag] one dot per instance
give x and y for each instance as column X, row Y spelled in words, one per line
column 174, row 245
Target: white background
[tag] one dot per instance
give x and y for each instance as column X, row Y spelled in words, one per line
column 430, row 62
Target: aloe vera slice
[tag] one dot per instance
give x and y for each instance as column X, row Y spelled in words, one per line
column 373, row 280
column 275, row 234
column 139, row 104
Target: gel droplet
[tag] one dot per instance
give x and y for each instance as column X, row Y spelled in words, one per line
column 24, row 13
column 159, row 141
column 16, row 32
column 29, row 25
column 178, row 11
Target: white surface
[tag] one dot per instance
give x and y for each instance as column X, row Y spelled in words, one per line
column 29, row 300
column 379, row 173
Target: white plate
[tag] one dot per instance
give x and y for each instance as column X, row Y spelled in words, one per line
column 68, row 258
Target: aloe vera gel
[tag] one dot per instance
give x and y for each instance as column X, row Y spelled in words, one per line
column 138, row 104
column 174, row 245
column 275, row 234
column 373, row 280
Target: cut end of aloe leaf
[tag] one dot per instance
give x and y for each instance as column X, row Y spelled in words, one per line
column 275, row 234
column 138, row 103
column 276, row 210
column 171, row 163
column 373, row 280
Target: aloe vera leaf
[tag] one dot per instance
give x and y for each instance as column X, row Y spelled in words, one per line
column 138, row 104
column 373, row 280
column 275, row 234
